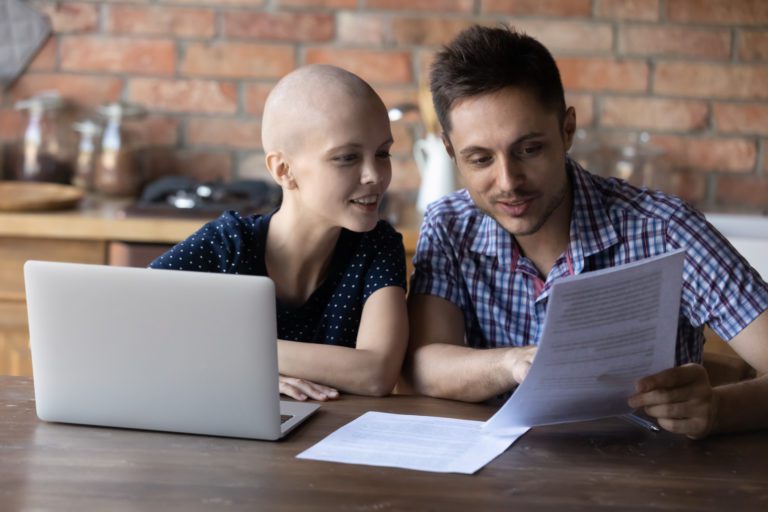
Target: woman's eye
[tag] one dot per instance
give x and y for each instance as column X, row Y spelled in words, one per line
column 345, row 159
column 383, row 155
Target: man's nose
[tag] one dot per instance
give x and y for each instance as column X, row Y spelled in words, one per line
column 509, row 174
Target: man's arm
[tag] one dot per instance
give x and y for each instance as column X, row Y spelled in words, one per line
column 438, row 364
column 683, row 401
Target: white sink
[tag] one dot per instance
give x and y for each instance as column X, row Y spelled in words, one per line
column 748, row 234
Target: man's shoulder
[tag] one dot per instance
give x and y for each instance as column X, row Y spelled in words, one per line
column 451, row 208
column 626, row 200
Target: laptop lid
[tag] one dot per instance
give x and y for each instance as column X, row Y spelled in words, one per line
column 155, row 349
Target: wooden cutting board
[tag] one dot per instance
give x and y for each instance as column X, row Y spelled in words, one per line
column 18, row 196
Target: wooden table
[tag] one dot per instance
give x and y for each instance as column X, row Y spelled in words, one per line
column 600, row 465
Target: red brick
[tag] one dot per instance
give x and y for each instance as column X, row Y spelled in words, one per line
column 45, row 60
column 643, row 10
column 184, row 95
column 280, row 26
column 423, row 5
column 708, row 154
column 690, row 186
column 569, row 36
column 654, row 114
column 603, row 74
column 216, row 3
column 71, row 16
column 153, row 130
column 743, row 192
column 679, row 41
column 255, row 97
column 753, row 45
column 222, row 59
column 539, row 7
column 121, row 55
column 584, row 104
column 12, row 123
column 374, row 66
column 711, row 80
column 724, row 12
column 394, row 96
column 227, row 133
column 427, row 31
column 742, row 118
column 337, row 4
column 172, row 21
column 357, row 28
column 88, row 90
column 199, row 165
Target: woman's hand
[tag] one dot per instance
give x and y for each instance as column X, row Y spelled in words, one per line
column 301, row 389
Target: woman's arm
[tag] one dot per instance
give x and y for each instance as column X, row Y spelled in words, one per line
column 373, row 367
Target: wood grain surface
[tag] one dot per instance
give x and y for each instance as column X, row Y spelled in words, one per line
column 599, row 465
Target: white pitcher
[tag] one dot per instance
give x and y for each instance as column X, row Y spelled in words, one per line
column 436, row 168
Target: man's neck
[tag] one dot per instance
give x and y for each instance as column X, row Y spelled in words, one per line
column 547, row 244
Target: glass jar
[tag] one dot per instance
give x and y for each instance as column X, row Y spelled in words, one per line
column 115, row 173
column 45, row 151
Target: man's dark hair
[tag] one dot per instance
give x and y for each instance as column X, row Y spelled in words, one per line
column 482, row 60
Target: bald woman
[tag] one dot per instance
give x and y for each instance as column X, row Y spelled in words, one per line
column 339, row 271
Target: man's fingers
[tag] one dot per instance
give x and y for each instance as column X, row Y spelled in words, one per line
column 670, row 378
column 660, row 396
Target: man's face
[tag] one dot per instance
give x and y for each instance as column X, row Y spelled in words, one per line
column 510, row 150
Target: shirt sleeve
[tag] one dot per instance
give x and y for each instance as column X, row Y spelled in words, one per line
column 720, row 288
column 436, row 267
column 216, row 247
column 387, row 267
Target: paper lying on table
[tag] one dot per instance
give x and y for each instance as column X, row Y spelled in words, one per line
column 425, row 443
column 603, row 331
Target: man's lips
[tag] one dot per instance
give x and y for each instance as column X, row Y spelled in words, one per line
column 514, row 207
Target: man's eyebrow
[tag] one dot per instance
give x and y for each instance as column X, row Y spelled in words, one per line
column 473, row 149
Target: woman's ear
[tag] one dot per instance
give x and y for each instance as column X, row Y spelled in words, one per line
column 280, row 169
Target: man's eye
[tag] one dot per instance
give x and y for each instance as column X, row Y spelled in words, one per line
column 479, row 161
column 529, row 150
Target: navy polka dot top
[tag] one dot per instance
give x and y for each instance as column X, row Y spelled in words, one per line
column 361, row 264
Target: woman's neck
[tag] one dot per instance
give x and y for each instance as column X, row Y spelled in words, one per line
column 298, row 254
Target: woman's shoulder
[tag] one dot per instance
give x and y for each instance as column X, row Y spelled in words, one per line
column 233, row 223
column 383, row 232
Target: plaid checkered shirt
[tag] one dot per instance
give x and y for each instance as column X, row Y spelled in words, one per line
column 467, row 258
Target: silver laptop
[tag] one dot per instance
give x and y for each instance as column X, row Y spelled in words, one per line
column 157, row 349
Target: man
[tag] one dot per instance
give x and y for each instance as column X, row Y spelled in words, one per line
column 488, row 255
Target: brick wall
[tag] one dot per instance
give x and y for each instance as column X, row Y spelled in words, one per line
column 692, row 73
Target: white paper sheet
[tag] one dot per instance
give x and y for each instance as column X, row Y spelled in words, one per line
column 604, row 330
column 424, row 443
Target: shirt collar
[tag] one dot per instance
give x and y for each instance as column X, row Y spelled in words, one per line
column 591, row 228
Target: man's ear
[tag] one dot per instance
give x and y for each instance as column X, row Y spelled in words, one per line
column 569, row 127
column 280, row 169
column 448, row 145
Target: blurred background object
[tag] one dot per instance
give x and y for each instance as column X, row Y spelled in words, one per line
column 690, row 74
column 23, row 31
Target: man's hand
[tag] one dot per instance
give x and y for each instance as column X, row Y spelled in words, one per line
column 681, row 399
column 520, row 361
column 301, row 389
